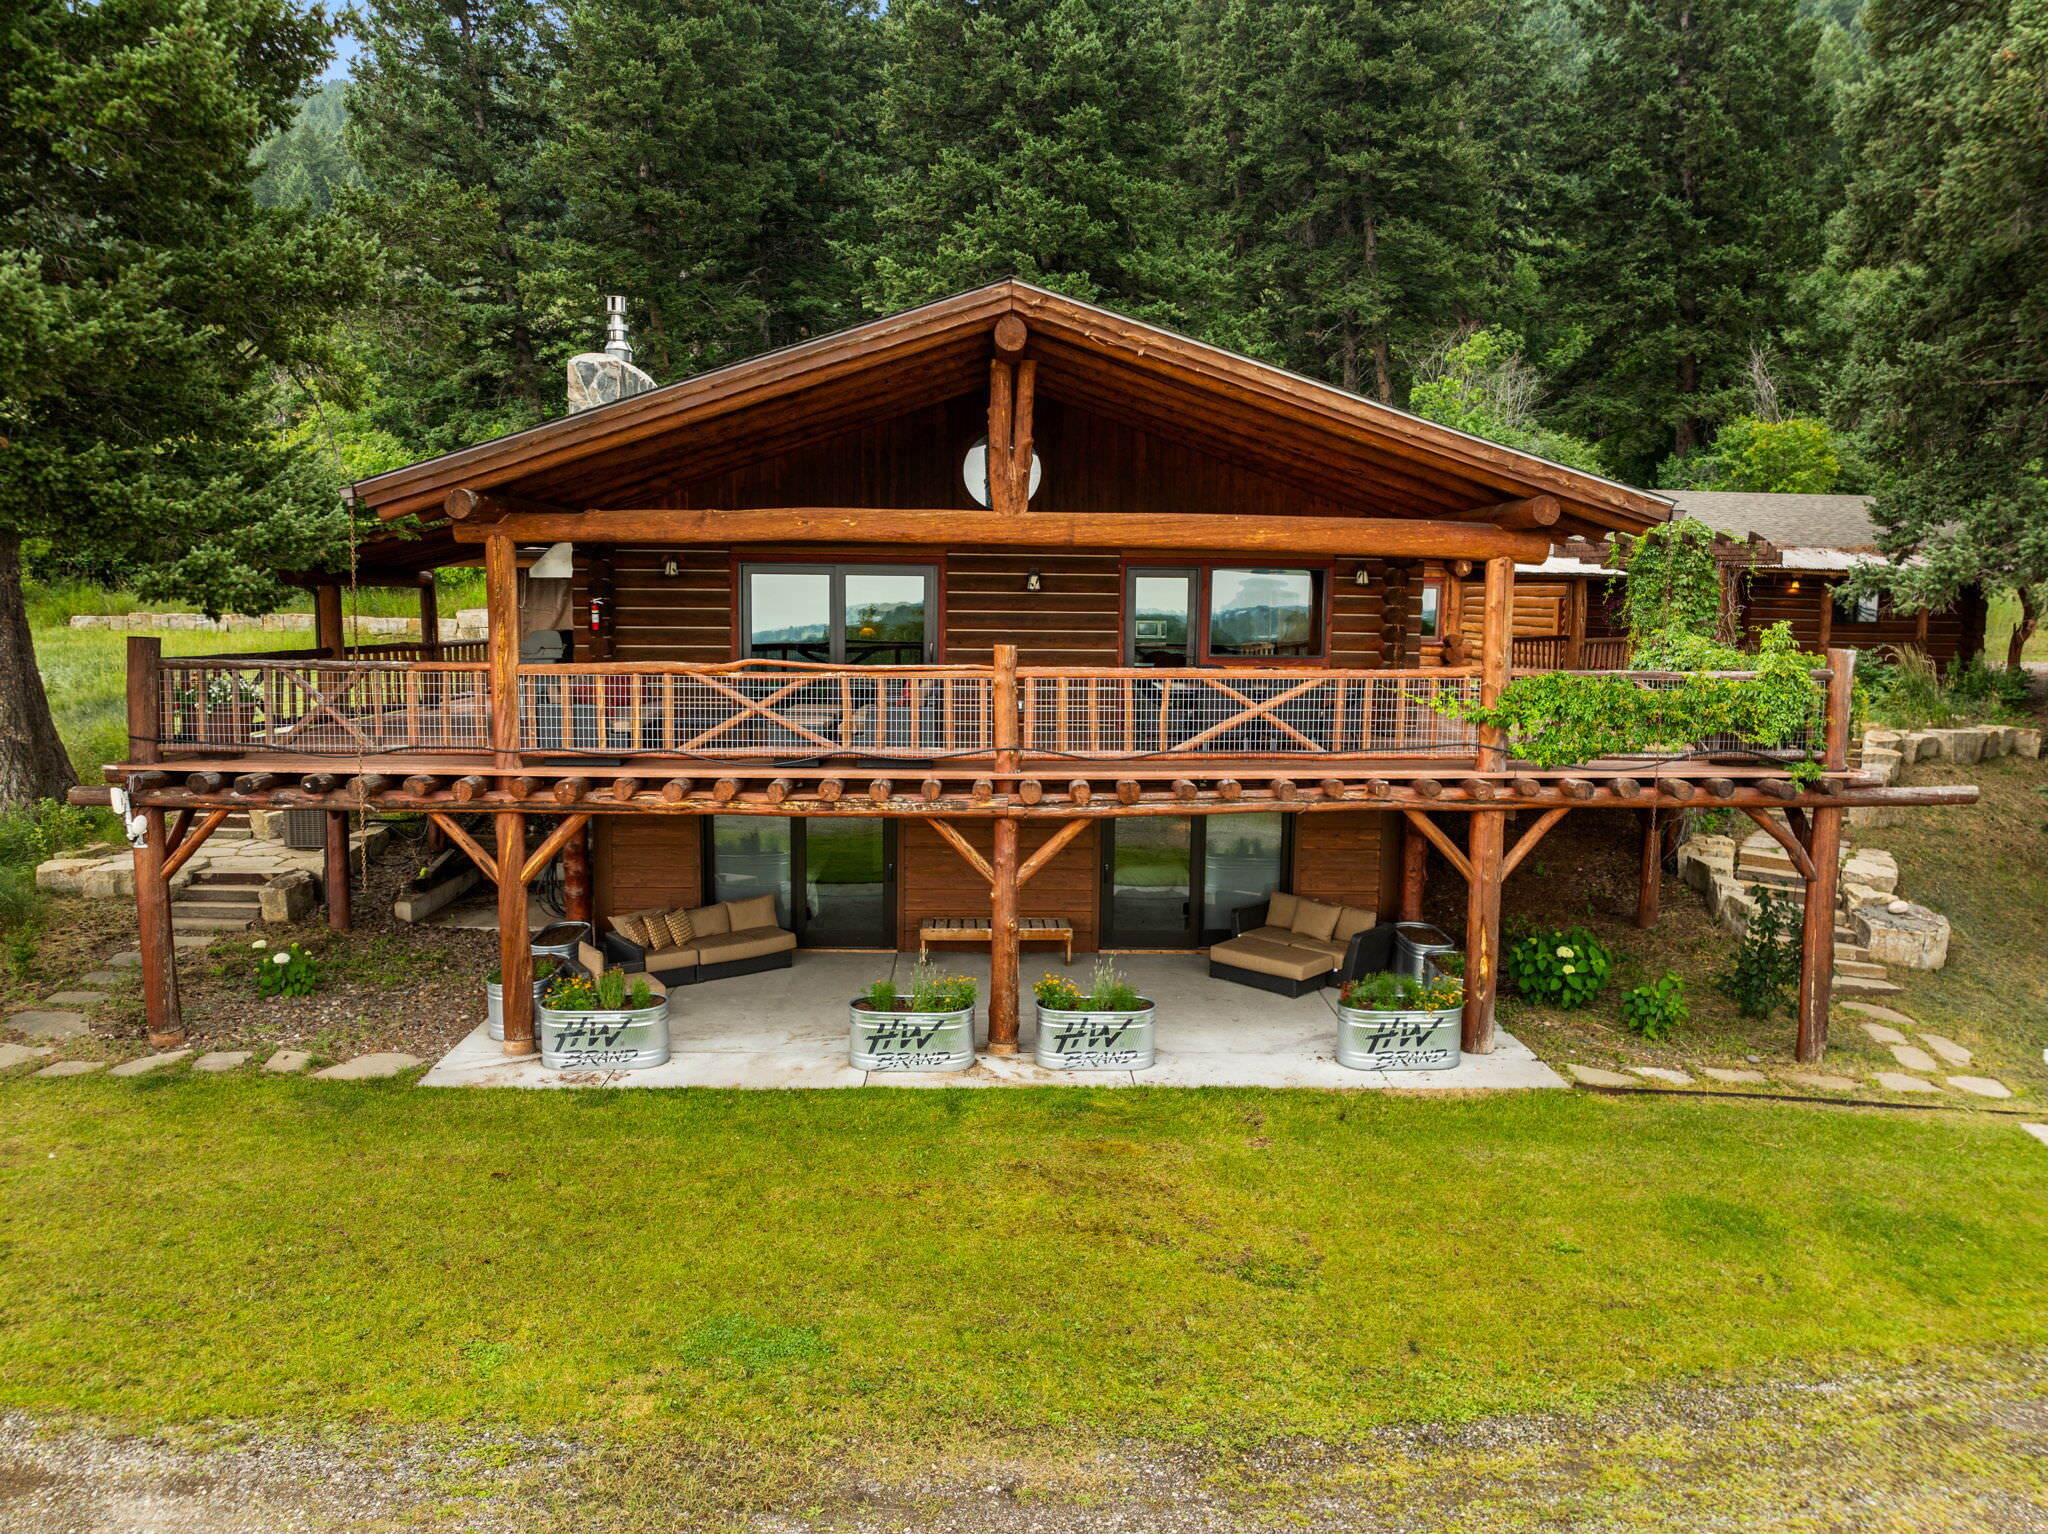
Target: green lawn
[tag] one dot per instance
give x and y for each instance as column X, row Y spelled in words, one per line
column 803, row 1269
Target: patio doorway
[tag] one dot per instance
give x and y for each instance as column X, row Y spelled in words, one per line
column 834, row 880
column 1173, row 881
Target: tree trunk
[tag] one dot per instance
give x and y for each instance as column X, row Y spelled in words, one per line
column 33, row 762
column 2023, row 630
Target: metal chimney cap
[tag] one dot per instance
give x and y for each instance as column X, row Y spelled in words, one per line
column 615, row 342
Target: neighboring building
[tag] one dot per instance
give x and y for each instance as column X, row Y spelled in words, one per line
column 1006, row 607
column 1784, row 560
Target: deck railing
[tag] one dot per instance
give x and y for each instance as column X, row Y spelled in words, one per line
column 1553, row 652
column 765, row 712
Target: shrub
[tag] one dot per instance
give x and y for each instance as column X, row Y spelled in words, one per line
column 287, row 971
column 1389, row 992
column 1559, row 969
column 882, row 995
column 1656, row 1010
column 1766, row 960
column 612, row 991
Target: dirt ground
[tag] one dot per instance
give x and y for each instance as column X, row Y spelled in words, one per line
column 1935, row 1449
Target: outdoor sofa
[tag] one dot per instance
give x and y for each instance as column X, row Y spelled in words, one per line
column 683, row 947
column 1292, row 945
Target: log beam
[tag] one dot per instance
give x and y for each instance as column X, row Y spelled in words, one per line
column 1486, row 861
column 478, row 508
column 1338, row 537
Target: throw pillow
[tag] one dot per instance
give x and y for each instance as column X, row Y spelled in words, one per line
column 1314, row 919
column 710, row 920
column 1280, row 910
column 756, row 911
column 678, row 926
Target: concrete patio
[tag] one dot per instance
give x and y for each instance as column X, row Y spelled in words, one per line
column 787, row 1028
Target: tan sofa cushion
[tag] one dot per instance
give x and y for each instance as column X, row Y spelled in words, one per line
column 747, row 943
column 755, row 911
column 1351, row 921
column 1323, row 945
column 1314, row 919
column 710, row 920
column 1270, row 934
column 672, row 958
column 1283, row 960
column 1280, row 909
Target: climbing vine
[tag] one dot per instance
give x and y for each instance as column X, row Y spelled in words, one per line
column 1560, row 718
column 1673, row 586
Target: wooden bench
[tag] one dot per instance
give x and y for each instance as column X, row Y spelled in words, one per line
column 975, row 929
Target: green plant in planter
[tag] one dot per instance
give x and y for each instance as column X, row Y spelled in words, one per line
column 1655, row 1011
column 1058, row 993
column 881, row 995
column 1109, row 991
column 542, row 968
column 611, row 990
column 931, row 991
column 1389, row 992
column 1559, row 969
column 1766, row 960
column 288, row 971
column 640, row 994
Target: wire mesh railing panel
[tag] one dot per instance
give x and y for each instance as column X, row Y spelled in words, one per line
column 1142, row 712
column 328, row 708
column 1802, row 742
column 754, row 715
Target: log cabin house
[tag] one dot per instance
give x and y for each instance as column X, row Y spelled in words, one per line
column 1783, row 559
column 1015, row 605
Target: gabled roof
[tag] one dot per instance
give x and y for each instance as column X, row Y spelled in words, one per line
column 1789, row 521
column 1321, row 439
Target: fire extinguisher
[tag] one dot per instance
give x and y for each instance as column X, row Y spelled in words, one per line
column 600, row 608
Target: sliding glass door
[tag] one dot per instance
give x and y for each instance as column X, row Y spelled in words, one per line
column 1171, row 881
column 848, row 615
column 834, row 880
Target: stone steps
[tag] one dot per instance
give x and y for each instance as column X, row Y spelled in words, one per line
column 218, row 902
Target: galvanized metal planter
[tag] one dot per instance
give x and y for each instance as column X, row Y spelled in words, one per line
column 494, row 1005
column 1398, row 1041
column 1096, row 1041
column 910, row 1041
column 622, row 1039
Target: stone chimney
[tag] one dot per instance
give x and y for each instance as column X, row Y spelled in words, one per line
column 599, row 378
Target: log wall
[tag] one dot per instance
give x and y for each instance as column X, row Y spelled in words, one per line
column 934, row 880
column 1348, row 857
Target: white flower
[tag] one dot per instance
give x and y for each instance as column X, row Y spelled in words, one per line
column 1566, row 953
column 260, row 943
column 285, row 958
column 1571, row 969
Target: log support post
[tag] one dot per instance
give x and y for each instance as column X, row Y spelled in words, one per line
column 1003, row 944
column 1575, row 626
column 1486, row 852
column 576, row 887
column 1496, row 656
column 163, row 1016
column 1650, row 887
column 1414, row 873
column 329, row 636
column 501, row 597
column 1824, row 850
column 515, row 957
column 430, row 617
column 334, row 875
column 1003, row 727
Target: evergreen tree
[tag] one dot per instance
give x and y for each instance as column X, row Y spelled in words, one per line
column 1945, row 238
column 1035, row 138
column 710, row 157
column 448, row 115
column 307, row 163
column 1340, row 142
column 145, row 301
column 1696, row 137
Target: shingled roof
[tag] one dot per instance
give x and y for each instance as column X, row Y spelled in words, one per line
column 1839, row 522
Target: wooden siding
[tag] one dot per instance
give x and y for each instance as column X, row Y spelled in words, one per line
column 1348, row 857
column 934, row 880
column 1074, row 620
column 641, row 861
column 1799, row 599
